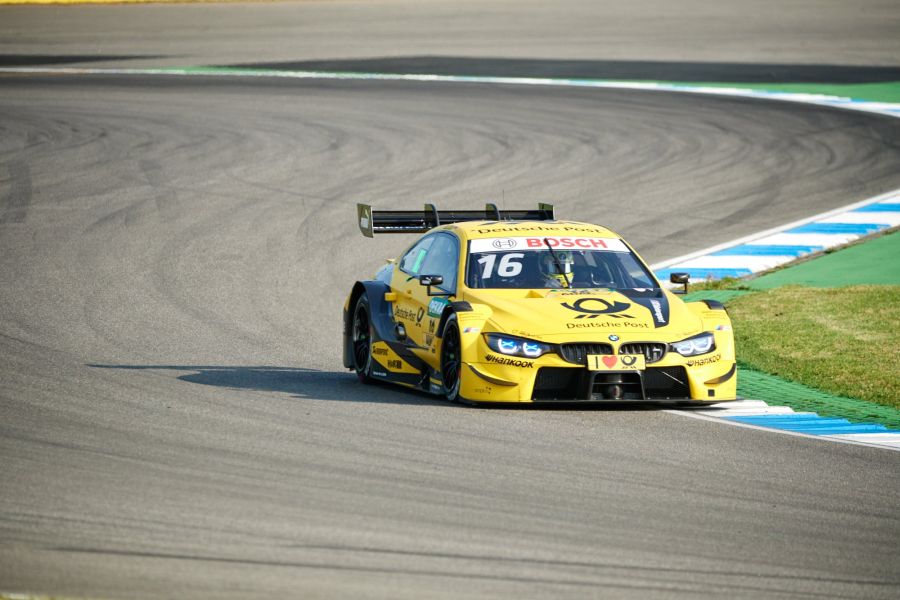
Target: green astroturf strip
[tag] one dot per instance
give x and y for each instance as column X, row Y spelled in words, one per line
column 875, row 262
column 779, row 392
column 722, row 296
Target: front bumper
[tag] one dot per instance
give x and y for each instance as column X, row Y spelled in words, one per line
column 674, row 379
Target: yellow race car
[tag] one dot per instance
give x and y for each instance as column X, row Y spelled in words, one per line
column 516, row 306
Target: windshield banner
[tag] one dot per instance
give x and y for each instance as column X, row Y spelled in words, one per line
column 538, row 243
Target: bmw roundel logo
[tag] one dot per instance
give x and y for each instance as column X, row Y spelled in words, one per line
column 504, row 244
column 614, row 338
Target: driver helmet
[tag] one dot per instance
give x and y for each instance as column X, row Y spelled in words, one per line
column 550, row 270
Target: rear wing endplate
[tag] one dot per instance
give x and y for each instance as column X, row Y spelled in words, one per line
column 419, row 221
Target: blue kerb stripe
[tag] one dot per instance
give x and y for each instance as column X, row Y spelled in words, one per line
column 767, row 250
column 700, row 273
column 876, row 208
column 856, row 228
column 810, row 423
column 778, row 417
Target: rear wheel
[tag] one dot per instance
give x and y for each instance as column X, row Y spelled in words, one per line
column 362, row 340
column 451, row 360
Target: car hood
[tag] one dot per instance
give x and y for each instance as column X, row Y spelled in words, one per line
column 539, row 313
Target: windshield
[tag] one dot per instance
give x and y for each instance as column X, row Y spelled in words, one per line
column 576, row 262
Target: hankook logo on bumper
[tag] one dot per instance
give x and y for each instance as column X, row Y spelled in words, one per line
column 509, row 361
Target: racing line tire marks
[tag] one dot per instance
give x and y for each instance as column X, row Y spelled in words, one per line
column 18, row 192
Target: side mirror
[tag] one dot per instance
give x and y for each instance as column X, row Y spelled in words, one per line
column 681, row 278
column 430, row 280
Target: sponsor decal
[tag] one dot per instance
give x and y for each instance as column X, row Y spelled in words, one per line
column 607, row 325
column 379, row 374
column 653, row 300
column 699, row 362
column 591, row 308
column 435, row 388
column 657, row 311
column 610, row 362
column 429, row 339
column 471, row 330
column 723, row 327
column 379, row 351
column 524, row 228
column 436, row 306
column 569, row 242
column 512, row 362
column 420, row 314
column 395, row 364
column 404, row 313
column 485, row 391
column 556, row 242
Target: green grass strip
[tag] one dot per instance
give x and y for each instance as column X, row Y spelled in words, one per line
column 776, row 391
column 840, row 340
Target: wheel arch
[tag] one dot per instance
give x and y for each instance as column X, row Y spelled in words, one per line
column 453, row 307
column 381, row 318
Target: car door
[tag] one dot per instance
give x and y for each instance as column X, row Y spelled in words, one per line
column 443, row 260
column 435, row 254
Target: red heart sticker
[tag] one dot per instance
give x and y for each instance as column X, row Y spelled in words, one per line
column 610, row 361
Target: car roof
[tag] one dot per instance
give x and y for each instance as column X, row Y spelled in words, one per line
column 472, row 230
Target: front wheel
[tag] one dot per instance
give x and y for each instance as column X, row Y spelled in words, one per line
column 451, row 360
column 361, row 336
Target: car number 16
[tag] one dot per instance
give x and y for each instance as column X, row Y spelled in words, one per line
column 508, row 267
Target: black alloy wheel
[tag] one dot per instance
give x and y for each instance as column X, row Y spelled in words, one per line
column 362, row 340
column 451, row 359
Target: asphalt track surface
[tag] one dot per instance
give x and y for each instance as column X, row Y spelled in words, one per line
column 174, row 421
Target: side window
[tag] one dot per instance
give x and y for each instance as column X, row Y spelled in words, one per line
column 413, row 260
column 443, row 259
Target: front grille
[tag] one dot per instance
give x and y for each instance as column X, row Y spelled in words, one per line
column 577, row 353
column 666, row 382
column 557, row 383
column 652, row 351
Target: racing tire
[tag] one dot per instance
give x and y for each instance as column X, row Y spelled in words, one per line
column 361, row 338
column 451, row 360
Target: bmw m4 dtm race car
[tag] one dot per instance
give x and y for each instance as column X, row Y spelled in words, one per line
column 515, row 306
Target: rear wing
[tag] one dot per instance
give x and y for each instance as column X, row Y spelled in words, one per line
column 420, row 221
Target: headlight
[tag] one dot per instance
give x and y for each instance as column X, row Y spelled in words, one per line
column 699, row 344
column 516, row 346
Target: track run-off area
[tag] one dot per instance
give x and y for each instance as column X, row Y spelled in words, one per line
column 174, row 256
